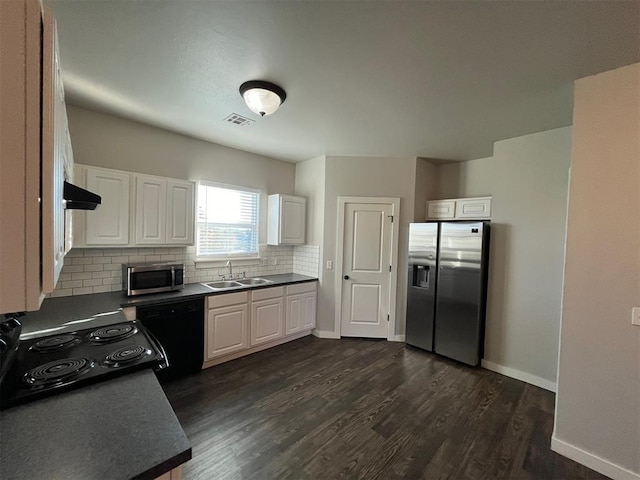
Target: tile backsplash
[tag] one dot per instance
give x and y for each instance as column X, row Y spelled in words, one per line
column 89, row 270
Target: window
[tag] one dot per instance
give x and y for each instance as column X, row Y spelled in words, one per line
column 227, row 222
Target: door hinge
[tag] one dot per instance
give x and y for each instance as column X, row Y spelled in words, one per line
column 391, row 217
column 389, row 267
column 387, row 317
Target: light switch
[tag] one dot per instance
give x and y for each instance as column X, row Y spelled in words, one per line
column 329, row 265
column 635, row 316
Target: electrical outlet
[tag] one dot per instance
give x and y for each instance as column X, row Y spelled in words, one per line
column 635, row 316
column 329, row 265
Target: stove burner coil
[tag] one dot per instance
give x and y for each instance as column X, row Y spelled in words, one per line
column 126, row 355
column 112, row 333
column 50, row 344
column 58, row 371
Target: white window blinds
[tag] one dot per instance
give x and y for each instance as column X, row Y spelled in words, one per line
column 227, row 222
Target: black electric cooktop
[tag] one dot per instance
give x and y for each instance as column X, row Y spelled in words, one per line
column 49, row 365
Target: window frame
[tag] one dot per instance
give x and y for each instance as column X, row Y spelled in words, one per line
column 221, row 258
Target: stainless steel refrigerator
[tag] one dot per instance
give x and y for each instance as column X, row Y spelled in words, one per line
column 447, row 288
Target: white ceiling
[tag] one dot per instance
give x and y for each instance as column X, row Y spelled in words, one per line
column 439, row 79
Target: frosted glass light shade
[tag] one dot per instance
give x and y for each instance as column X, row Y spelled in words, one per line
column 261, row 97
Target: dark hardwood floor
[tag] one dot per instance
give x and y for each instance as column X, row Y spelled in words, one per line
column 358, row 408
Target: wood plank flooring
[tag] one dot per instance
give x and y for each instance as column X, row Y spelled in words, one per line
column 370, row 409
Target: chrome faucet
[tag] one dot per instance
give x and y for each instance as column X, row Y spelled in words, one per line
column 228, row 264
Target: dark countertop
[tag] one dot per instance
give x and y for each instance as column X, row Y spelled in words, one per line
column 79, row 435
column 62, row 314
column 192, row 290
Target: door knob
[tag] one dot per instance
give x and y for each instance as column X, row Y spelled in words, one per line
column 346, row 277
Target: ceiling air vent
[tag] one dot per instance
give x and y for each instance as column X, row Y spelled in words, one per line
column 238, row 120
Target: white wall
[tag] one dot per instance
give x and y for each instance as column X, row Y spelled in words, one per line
column 528, row 178
column 426, row 187
column 598, row 403
column 365, row 177
column 310, row 183
column 107, row 141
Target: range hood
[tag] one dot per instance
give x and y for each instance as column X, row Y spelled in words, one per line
column 80, row 199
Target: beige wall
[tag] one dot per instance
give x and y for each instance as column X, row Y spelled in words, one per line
column 527, row 177
column 598, row 403
column 107, row 141
column 310, row 183
column 365, row 177
column 426, row 187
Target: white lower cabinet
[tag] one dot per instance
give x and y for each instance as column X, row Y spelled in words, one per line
column 227, row 328
column 301, row 308
column 241, row 323
column 267, row 319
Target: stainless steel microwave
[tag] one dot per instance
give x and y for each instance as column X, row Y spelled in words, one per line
column 138, row 279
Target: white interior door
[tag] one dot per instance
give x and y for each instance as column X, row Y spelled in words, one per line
column 366, row 269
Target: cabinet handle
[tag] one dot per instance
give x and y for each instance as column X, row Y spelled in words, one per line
column 346, row 277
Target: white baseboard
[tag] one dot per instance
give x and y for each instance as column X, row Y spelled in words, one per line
column 520, row 375
column 397, row 338
column 325, row 334
column 592, row 461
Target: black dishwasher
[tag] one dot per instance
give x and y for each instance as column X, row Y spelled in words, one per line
column 179, row 327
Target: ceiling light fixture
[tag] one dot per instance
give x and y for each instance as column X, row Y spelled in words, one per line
column 262, row 97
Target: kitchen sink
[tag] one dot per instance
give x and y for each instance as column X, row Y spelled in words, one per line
column 241, row 282
column 222, row 284
column 253, row 281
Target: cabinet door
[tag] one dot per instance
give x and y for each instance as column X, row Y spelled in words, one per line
column 180, row 213
column 226, row 330
column 292, row 220
column 54, row 153
column 293, row 314
column 151, row 211
column 267, row 320
column 441, row 209
column 109, row 223
column 308, row 308
column 473, row 208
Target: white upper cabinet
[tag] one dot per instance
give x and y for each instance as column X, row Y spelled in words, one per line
column 478, row 208
column 136, row 210
column 180, row 212
column 56, row 150
column 165, row 211
column 473, row 208
column 151, row 210
column 108, row 224
column 286, row 220
column 441, row 209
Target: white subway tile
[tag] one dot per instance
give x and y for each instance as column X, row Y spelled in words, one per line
column 94, row 267
column 71, row 284
column 81, row 261
column 92, row 283
column 106, row 274
column 81, row 276
column 72, row 268
column 82, row 290
column 101, row 288
column 63, row 292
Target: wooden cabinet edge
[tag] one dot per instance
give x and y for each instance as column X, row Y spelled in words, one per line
column 175, row 474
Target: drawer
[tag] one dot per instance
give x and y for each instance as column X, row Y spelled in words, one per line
column 264, row 293
column 301, row 288
column 215, row 301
